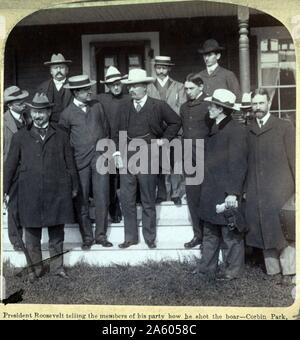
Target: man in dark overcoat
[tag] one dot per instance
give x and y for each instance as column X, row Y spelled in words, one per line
column 112, row 103
column 225, row 170
column 270, row 184
column 14, row 119
column 54, row 87
column 87, row 124
column 195, row 124
column 214, row 76
column 143, row 119
column 47, row 182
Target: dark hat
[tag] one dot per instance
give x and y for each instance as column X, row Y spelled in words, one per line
column 79, row 82
column 209, row 46
column 13, row 93
column 57, row 59
column 163, row 60
column 40, row 101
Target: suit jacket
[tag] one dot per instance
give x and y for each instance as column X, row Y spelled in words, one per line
column 10, row 128
column 48, row 87
column 221, row 78
column 47, row 176
column 270, row 181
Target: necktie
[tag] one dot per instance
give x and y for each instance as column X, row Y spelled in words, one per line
column 138, row 107
column 261, row 122
column 42, row 132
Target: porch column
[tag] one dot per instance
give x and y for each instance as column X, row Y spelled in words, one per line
column 243, row 17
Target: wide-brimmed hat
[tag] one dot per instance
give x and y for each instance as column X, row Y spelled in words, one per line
column 137, row 76
column 57, row 59
column 209, row 46
column 13, row 93
column 246, row 101
column 112, row 75
column 79, row 82
column 40, row 101
column 163, row 60
column 224, row 98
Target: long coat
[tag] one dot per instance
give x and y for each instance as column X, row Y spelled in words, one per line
column 225, row 167
column 10, row 128
column 47, row 176
column 175, row 94
column 270, row 181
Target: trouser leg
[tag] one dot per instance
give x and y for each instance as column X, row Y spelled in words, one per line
column 33, row 238
column 193, row 199
column 82, row 205
column 235, row 252
column 210, row 249
column 288, row 260
column 114, row 205
column 161, row 187
column 147, row 188
column 128, row 201
column 13, row 223
column 56, row 248
column 272, row 261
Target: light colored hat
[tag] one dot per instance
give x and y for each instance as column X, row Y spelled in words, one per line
column 246, row 101
column 209, row 46
column 112, row 75
column 138, row 76
column 57, row 59
column 79, row 82
column 163, row 60
column 224, row 98
column 13, row 93
column 40, row 101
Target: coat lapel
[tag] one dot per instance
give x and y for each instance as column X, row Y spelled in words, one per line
column 171, row 85
column 10, row 122
column 254, row 128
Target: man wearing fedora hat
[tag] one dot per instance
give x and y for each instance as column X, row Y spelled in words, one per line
column 246, row 108
column 54, row 87
column 214, row 76
column 172, row 92
column 143, row 118
column 14, row 119
column 47, row 181
column 112, row 103
column 87, row 124
column 225, row 170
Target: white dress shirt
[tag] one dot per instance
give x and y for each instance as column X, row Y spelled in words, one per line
column 163, row 82
column 16, row 116
column 80, row 104
column 263, row 121
column 59, row 83
column 211, row 69
column 141, row 102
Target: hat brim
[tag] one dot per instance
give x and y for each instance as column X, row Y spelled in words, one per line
column 235, row 107
column 9, row 99
column 113, row 80
column 57, row 62
column 210, row 50
column 138, row 81
column 70, row 87
column 162, row 63
column 46, row 106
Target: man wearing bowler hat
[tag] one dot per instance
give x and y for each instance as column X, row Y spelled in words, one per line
column 112, row 103
column 172, row 92
column 54, row 87
column 14, row 119
column 143, row 118
column 87, row 124
column 214, row 76
column 47, row 181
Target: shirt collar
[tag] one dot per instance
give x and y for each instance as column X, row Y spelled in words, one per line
column 16, row 116
column 199, row 96
column 78, row 103
column 163, row 82
column 142, row 101
column 59, row 83
column 211, row 69
column 264, row 119
column 41, row 127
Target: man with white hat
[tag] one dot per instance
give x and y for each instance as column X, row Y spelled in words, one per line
column 143, row 118
column 214, row 76
column 54, row 87
column 225, row 170
column 112, row 103
column 13, row 120
column 172, row 92
column 246, row 108
column 87, row 124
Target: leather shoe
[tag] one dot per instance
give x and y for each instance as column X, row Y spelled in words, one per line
column 105, row 243
column 127, row 244
column 86, row 246
column 17, row 247
column 116, row 219
column 160, row 200
column 225, row 278
column 151, row 245
column 177, row 201
column 193, row 243
column 63, row 275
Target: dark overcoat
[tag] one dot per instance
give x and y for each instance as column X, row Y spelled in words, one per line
column 270, row 181
column 47, row 176
column 225, row 167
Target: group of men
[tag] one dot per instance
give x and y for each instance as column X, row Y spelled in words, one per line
column 51, row 162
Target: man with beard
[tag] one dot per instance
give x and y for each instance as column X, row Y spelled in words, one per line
column 270, row 184
column 47, row 182
column 54, row 87
column 112, row 103
column 13, row 120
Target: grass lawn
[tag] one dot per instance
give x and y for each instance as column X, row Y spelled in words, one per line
column 165, row 283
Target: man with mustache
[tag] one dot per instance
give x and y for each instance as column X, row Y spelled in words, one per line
column 172, row 92
column 54, row 87
column 270, row 184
